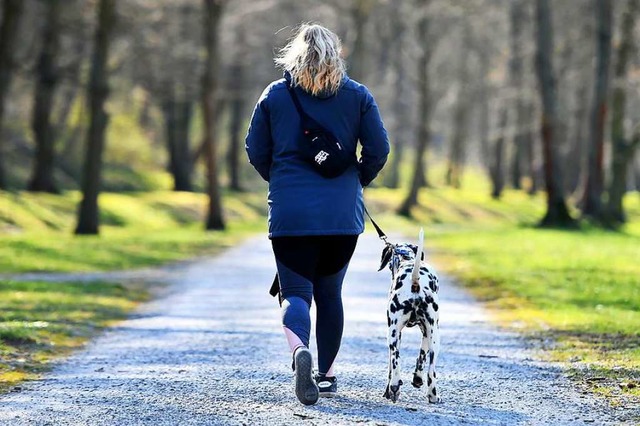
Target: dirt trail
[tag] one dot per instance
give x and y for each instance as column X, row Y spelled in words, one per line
column 211, row 352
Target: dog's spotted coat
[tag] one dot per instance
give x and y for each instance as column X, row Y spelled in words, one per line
column 413, row 300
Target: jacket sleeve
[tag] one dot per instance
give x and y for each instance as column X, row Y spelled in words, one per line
column 374, row 141
column 258, row 143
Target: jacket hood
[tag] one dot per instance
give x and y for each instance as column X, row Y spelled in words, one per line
column 322, row 95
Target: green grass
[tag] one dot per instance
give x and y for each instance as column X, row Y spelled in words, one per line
column 40, row 322
column 138, row 229
column 579, row 289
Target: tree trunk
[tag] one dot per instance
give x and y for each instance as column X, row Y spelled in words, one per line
column 557, row 214
column 236, row 110
column 424, row 108
column 168, row 111
column 401, row 116
column 533, row 170
column 212, row 15
column 517, row 17
column 145, row 121
column 457, row 151
column 11, row 12
column 484, row 113
column 622, row 148
column 576, row 166
column 177, row 123
column 517, row 158
column 47, row 81
column 360, row 12
column 461, row 116
column 185, row 168
column 496, row 163
column 592, row 199
column 88, row 215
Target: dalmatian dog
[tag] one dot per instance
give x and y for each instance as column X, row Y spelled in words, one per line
column 413, row 300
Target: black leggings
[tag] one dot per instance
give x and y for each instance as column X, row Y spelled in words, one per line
column 313, row 268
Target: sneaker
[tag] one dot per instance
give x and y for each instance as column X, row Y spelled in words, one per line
column 328, row 385
column 306, row 388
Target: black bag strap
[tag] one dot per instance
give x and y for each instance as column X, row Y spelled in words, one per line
column 307, row 121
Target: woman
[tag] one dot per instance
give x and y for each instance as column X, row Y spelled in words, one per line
column 314, row 222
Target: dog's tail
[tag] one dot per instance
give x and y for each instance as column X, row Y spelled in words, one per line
column 415, row 276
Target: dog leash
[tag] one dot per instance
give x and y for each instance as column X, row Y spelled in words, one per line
column 379, row 230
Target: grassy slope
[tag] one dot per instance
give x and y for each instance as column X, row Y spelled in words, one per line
column 42, row 321
column 138, row 229
column 578, row 291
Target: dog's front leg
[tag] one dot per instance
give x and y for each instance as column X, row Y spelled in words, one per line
column 392, row 391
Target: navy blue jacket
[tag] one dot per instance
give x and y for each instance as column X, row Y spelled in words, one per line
column 301, row 202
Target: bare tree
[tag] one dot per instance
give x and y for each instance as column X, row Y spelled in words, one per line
column 178, row 100
column 212, row 14
column 177, row 119
column 496, row 159
column 360, row 11
column 517, row 17
column 70, row 123
column 47, row 81
column 623, row 148
column 483, row 118
column 98, row 91
column 578, row 78
column 400, row 120
column 167, row 54
column 576, row 148
column 424, row 111
column 460, row 116
column 592, row 200
column 237, row 101
column 557, row 213
column 11, row 12
column 533, row 168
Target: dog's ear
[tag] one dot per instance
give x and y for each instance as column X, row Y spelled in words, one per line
column 386, row 257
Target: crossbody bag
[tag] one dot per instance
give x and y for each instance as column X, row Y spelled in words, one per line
column 321, row 148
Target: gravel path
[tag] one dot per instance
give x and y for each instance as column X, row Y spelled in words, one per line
column 211, row 352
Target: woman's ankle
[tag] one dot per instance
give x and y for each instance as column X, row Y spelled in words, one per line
column 293, row 340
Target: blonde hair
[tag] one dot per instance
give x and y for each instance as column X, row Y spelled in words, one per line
column 313, row 57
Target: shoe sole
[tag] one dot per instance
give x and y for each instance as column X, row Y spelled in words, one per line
column 328, row 394
column 306, row 389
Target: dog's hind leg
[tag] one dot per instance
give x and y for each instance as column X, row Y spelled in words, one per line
column 422, row 358
column 392, row 390
column 428, row 351
column 433, row 358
